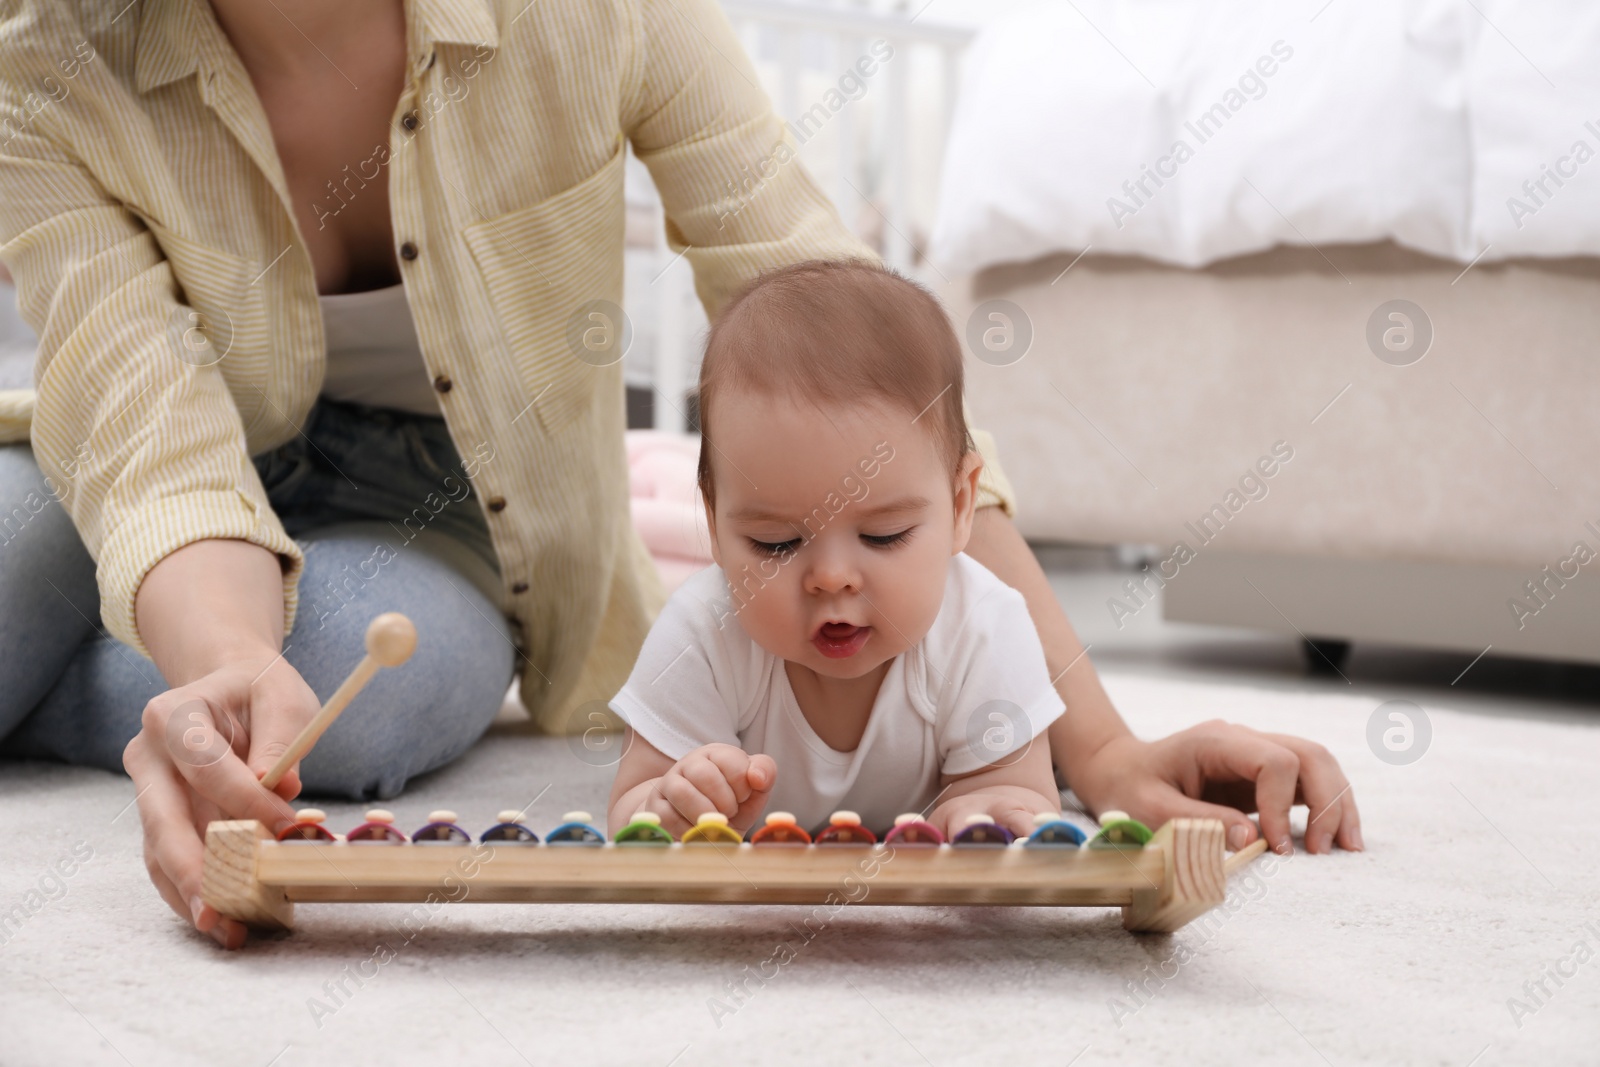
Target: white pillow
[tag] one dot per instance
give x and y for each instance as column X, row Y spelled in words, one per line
column 1357, row 133
column 1533, row 85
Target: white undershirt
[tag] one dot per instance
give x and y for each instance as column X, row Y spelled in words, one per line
column 374, row 356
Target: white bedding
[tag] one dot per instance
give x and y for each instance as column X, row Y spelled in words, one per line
column 1188, row 132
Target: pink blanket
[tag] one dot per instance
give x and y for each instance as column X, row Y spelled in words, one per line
column 667, row 510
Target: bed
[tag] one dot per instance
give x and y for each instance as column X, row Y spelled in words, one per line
column 1378, row 253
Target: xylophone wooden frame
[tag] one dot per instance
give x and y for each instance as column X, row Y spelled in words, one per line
column 1178, row 876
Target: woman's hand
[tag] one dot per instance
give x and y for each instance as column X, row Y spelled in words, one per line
column 200, row 755
column 1219, row 770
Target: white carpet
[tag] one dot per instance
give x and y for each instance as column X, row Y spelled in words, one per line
column 1481, row 869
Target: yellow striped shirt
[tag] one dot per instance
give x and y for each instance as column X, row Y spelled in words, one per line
column 145, row 216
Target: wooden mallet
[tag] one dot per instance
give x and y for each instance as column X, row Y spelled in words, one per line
column 391, row 638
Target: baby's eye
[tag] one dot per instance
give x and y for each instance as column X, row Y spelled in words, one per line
column 888, row 540
column 779, row 548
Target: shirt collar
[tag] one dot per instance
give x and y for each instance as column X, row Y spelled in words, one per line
column 168, row 30
column 457, row 22
column 167, row 49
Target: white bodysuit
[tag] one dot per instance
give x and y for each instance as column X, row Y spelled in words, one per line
column 973, row 691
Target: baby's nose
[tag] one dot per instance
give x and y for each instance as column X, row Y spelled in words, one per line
column 832, row 573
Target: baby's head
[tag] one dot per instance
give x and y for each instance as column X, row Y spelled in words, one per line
column 835, row 463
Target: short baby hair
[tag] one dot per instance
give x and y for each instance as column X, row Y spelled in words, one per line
column 834, row 332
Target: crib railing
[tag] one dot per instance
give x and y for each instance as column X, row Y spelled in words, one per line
column 868, row 90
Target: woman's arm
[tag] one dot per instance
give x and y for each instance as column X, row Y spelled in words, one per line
column 1090, row 720
column 1214, row 770
column 208, row 603
column 737, row 199
column 150, row 439
column 211, row 613
column 216, row 605
column 185, row 543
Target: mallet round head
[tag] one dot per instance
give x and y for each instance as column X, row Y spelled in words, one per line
column 391, row 638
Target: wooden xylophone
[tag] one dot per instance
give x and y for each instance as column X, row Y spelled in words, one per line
column 1161, row 880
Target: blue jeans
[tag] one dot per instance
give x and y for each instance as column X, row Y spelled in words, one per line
column 355, row 478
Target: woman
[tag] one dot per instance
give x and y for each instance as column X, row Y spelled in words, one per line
column 318, row 289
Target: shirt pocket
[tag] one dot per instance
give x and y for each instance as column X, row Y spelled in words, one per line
column 549, row 269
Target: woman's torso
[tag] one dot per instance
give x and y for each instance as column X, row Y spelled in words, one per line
column 504, row 187
column 374, row 356
column 327, row 120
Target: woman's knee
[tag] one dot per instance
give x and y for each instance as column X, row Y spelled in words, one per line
column 48, row 597
column 408, row 719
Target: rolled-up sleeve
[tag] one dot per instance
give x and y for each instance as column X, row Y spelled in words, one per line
column 144, row 449
column 736, row 197
column 737, row 200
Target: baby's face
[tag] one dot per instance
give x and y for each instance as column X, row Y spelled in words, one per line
column 835, row 527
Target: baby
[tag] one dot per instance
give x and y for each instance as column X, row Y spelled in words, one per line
column 843, row 652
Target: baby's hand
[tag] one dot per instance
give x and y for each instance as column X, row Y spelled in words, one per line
column 713, row 778
column 1008, row 811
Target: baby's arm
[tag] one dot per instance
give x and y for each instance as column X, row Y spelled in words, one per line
column 1011, row 791
column 716, row 777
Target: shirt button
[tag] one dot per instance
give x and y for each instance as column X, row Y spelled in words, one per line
column 408, row 251
column 497, row 503
column 519, row 587
column 410, row 121
column 443, row 383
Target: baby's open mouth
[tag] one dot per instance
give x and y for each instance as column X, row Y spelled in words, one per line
column 836, row 640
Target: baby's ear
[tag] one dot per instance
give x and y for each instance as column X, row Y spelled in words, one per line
column 711, row 529
column 966, row 498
